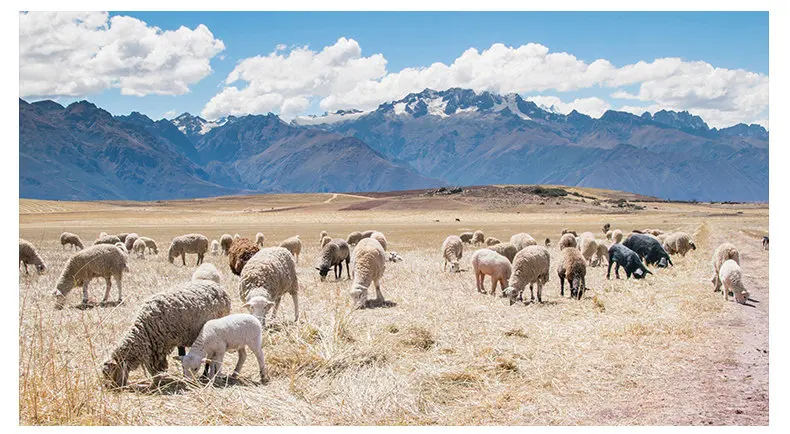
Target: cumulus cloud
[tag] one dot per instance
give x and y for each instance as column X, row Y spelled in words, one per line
column 82, row 53
column 593, row 106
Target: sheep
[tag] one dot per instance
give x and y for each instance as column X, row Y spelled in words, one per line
column 487, row 262
column 130, row 239
column 151, row 245
column 679, row 243
column 589, row 247
column 648, row 248
column 71, row 239
column 332, row 256
column 101, row 260
column 322, row 235
column 229, row 333
column 609, row 235
column 622, row 256
column 730, row 276
column 259, row 239
column 478, row 237
column 369, row 265
column 353, row 238
column 530, row 266
column 606, row 228
column 452, row 252
column 367, row 233
column 167, row 320
column 568, row 231
column 572, row 269
column 490, row 241
column 602, row 253
column 266, row 277
column 394, row 257
column 29, row 255
column 617, row 236
column 240, row 252
column 189, row 243
column 466, row 237
column 378, row 236
column 765, row 242
column 294, row 245
column 326, row 240
column 214, row 247
column 139, row 247
column 653, row 232
column 723, row 252
column 547, row 242
column 663, row 237
column 236, row 237
column 107, row 239
column 505, row 249
column 122, row 247
column 567, row 240
column 225, row 241
column 522, row 239
column 102, row 234
column 122, row 236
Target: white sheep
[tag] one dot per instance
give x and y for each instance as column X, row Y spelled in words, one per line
column 731, row 278
column 122, row 247
column 505, row 249
column 724, row 252
column 227, row 334
column 601, row 254
column 151, row 245
column 259, row 239
column 107, row 239
column 139, row 248
column 609, row 235
column 378, row 236
column 353, row 238
column 452, row 252
column 28, row 255
column 101, row 260
column 236, row 237
column 129, row 241
column 478, row 237
column 333, row 255
column 225, row 241
column 71, row 239
column 678, row 243
column 293, row 245
column 368, row 261
column 487, row 262
column 522, row 239
column 617, row 236
column 214, row 247
column 588, row 247
column 265, row 278
column 322, row 235
column 189, row 243
column 530, row 266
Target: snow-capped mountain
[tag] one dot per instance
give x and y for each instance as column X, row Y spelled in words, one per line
column 196, row 126
column 328, row 118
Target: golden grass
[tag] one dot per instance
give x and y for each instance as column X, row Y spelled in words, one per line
column 440, row 354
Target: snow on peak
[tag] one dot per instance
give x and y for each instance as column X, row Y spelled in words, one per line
column 436, row 107
column 329, row 118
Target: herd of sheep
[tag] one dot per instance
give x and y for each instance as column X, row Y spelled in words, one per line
column 197, row 314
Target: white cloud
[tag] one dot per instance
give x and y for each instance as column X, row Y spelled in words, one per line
column 593, row 106
column 170, row 114
column 81, row 53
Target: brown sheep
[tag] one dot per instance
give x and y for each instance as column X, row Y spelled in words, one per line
column 573, row 269
column 239, row 253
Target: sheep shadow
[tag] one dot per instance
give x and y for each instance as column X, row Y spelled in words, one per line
column 374, row 304
column 91, row 304
column 170, row 385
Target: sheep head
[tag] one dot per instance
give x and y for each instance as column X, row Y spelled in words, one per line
column 116, row 374
column 259, row 307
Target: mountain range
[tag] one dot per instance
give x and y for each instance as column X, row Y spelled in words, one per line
column 427, row 139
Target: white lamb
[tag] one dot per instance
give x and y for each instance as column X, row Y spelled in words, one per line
column 259, row 239
column 488, row 262
column 730, row 276
column 368, row 261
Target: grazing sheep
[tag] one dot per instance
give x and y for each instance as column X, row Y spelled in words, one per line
column 567, row 240
column 139, row 248
column 505, row 249
column 325, row 241
column 547, row 243
column 765, row 242
column 466, row 237
column 214, row 247
column 122, row 247
column 151, row 245
column 452, row 252
column 622, row 256
column 723, row 252
column 678, row 243
column 71, row 239
column 167, row 320
column 332, row 256
column 240, row 252
column 568, row 231
column 617, row 236
column 478, row 237
column 394, row 257
column 609, row 235
column 730, row 276
column 378, row 236
column 122, row 237
column 353, row 238
column 96, row 261
column 522, row 239
column 189, row 243
column 601, row 254
column 648, row 248
column 530, row 266
column 490, row 241
column 29, row 255
column 606, row 227
column 294, row 245
column 663, row 237
column 259, row 239
column 369, row 265
column 322, row 235
column 130, row 239
column 588, row 247
column 225, row 241
column 269, row 275
column 221, row 335
column 107, row 239
column 572, row 269
column 487, row 262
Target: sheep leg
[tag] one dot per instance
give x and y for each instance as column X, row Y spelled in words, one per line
column 25, row 265
column 295, row 297
column 276, row 306
column 240, row 362
column 200, row 259
column 493, row 285
column 348, row 268
column 477, row 281
column 217, row 362
column 532, row 294
column 118, row 282
column 379, row 295
column 443, row 269
column 562, row 286
column 107, row 291
column 540, row 291
column 184, row 259
column 261, row 364
column 85, row 292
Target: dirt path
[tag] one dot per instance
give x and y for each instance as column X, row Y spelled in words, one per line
column 334, row 196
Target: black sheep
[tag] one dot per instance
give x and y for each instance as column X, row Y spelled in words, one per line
column 628, row 259
column 649, row 249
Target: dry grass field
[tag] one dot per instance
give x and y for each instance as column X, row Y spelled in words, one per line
column 664, row 350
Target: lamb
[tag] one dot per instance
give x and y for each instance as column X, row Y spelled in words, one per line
column 151, row 245
column 530, row 266
column 29, row 255
column 189, row 243
column 259, row 239
column 617, row 236
column 478, row 237
column 452, row 252
column 107, row 239
column 266, row 277
column 353, row 238
column 572, row 269
column 130, row 239
column 723, row 253
column 229, row 333
column 214, row 247
column 225, row 241
column 101, row 260
column 466, row 237
column 71, row 239
column 378, row 236
column 487, row 262
column 139, row 248
column 332, row 256
column 122, row 247
column 622, row 256
column 765, row 242
column 167, row 320
column 490, row 241
column 294, row 245
column 369, row 266
column 649, row 248
column 522, row 239
column 679, row 243
column 505, row 249
column 326, row 240
column 240, row 252
column 588, row 247
column 567, row 240
column 730, row 276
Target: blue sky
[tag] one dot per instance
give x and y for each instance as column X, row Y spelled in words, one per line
column 724, row 40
